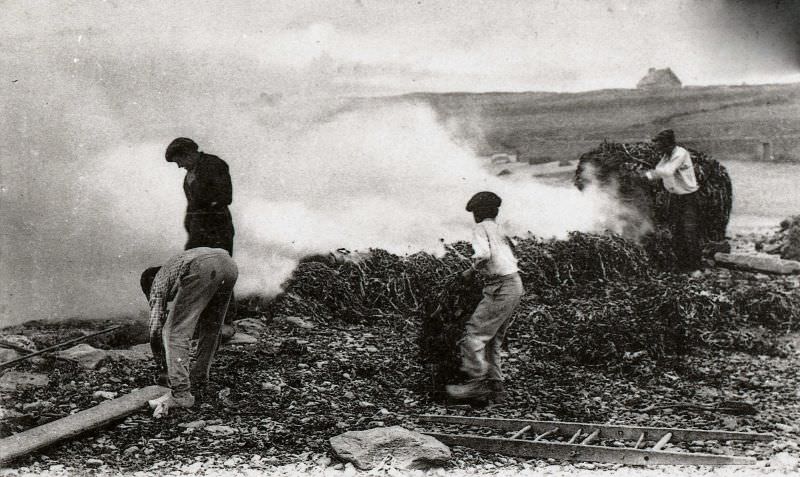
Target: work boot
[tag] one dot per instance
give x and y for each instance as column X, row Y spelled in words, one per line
column 162, row 379
column 472, row 389
column 498, row 393
column 184, row 399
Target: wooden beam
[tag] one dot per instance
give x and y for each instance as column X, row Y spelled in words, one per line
column 758, row 263
column 591, row 437
column 26, row 442
column 614, row 432
column 639, row 441
column 542, row 436
column 521, row 432
column 574, row 436
column 661, row 443
column 586, row 453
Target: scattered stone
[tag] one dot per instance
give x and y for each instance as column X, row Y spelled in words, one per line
column 104, row 394
column 140, row 352
column 784, row 427
column 193, row 424
column 298, row 322
column 242, row 339
column 13, row 380
column 272, row 388
column 784, row 461
column 131, row 450
column 36, row 406
column 94, row 462
column 408, row 449
column 86, row 355
column 220, row 430
column 21, row 341
column 251, row 326
column 7, row 354
column 9, row 414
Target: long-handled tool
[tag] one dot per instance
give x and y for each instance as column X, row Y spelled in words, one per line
column 54, row 347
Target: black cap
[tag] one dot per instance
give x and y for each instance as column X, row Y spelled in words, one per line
column 484, row 200
column 666, row 136
column 180, row 146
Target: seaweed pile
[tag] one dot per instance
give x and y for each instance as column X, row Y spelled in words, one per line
column 590, row 299
column 617, row 166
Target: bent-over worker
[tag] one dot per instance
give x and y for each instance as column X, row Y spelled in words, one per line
column 199, row 282
column 487, row 327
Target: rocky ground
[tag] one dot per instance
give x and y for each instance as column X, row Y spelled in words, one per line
column 273, row 405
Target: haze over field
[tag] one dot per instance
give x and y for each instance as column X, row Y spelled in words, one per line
column 93, row 92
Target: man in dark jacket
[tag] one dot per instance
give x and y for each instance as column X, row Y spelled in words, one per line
column 208, row 192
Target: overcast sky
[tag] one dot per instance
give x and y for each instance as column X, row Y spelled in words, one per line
column 397, row 46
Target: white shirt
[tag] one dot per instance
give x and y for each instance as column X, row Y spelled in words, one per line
column 493, row 255
column 676, row 171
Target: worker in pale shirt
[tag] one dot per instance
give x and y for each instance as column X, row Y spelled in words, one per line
column 676, row 171
column 487, row 327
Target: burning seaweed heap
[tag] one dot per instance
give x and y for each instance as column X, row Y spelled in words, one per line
column 589, row 299
column 617, row 165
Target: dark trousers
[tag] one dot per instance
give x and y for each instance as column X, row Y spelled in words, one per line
column 684, row 218
column 211, row 229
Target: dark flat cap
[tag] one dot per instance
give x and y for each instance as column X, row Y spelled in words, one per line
column 180, row 146
column 666, row 136
column 483, row 200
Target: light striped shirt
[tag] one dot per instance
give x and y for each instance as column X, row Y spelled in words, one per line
column 166, row 282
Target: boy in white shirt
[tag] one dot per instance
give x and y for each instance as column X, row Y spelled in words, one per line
column 676, row 172
column 487, row 327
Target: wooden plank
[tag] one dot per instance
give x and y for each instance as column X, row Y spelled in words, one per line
column 542, row 436
column 574, row 436
column 591, row 437
column 639, row 441
column 26, row 442
column 521, row 432
column 758, row 263
column 615, row 432
column 661, row 443
column 585, row 453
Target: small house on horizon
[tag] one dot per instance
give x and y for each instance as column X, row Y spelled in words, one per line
column 659, row 79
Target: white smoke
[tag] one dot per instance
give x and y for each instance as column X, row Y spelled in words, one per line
column 89, row 202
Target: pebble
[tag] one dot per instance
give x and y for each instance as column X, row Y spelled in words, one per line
column 94, row 462
column 349, row 395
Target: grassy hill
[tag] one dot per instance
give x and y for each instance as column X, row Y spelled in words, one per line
column 730, row 122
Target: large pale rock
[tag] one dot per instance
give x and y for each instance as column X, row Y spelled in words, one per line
column 241, row 339
column 250, row 326
column 7, row 354
column 13, row 380
column 86, row 355
column 19, row 340
column 408, row 449
column 140, row 352
column 298, row 322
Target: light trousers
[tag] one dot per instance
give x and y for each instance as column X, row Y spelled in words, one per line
column 487, row 327
column 201, row 302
